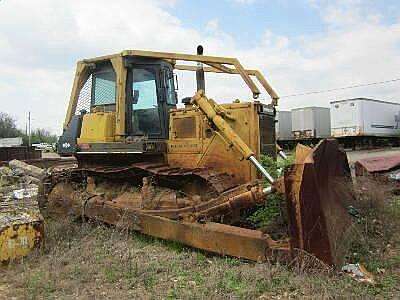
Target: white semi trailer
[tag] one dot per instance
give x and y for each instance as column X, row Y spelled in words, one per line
column 311, row 123
column 362, row 117
column 283, row 126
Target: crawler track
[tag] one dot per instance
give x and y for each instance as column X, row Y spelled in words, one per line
column 213, row 203
column 212, row 191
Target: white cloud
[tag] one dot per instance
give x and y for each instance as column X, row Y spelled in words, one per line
column 212, row 25
column 362, row 49
column 41, row 40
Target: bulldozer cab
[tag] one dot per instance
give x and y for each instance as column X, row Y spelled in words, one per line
column 121, row 103
column 150, row 93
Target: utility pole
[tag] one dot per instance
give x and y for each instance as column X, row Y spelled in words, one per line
column 29, row 129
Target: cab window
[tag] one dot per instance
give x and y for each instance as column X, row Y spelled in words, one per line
column 104, row 88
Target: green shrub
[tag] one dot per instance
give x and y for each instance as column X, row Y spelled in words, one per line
column 272, row 212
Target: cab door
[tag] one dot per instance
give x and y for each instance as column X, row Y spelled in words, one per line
column 145, row 102
column 150, row 95
column 169, row 93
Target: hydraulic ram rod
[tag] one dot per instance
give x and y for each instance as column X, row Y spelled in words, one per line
column 228, row 133
column 260, row 168
column 281, row 153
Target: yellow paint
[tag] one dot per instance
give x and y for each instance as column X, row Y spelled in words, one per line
column 18, row 240
column 121, row 72
column 98, row 127
column 209, row 149
column 215, row 64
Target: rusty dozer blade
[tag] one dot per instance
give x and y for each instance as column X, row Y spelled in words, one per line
column 318, row 189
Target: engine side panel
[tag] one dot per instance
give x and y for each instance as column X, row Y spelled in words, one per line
column 200, row 145
column 98, row 127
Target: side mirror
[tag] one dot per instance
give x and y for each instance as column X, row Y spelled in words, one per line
column 135, row 96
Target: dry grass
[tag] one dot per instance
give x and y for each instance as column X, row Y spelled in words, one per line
column 377, row 212
column 93, row 261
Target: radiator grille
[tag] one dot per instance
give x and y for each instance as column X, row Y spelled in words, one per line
column 184, row 128
column 267, row 134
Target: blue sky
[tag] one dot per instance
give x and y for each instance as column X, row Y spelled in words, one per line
column 247, row 21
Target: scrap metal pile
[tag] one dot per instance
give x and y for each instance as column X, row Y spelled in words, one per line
column 21, row 223
column 386, row 168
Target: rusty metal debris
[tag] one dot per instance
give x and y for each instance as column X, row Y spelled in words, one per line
column 384, row 169
column 377, row 164
column 21, row 223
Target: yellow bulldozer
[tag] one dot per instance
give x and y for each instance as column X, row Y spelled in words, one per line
column 189, row 173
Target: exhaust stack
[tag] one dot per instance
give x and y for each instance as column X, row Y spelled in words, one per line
column 200, row 71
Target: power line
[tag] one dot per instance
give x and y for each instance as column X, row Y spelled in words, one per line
column 339, row 89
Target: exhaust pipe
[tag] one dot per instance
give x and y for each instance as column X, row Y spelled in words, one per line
column 200, row 71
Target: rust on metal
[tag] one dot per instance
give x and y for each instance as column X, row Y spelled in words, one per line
column 213, row 237
column 318, row 187
column 376, row 164
column 236, row 203
column 211, row 199
column 190, row 224
column 216, row 182
column 179, row 224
